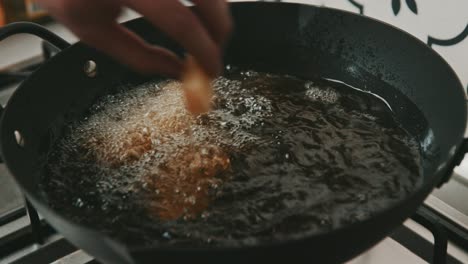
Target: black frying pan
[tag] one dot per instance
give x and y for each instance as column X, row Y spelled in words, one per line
column 301, row 40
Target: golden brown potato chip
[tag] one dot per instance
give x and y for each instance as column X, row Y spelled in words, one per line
column 197, row 88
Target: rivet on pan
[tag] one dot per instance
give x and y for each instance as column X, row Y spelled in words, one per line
column 19, row 138
column 90, row 68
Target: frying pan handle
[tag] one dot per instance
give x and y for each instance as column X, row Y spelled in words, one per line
column 33, row 29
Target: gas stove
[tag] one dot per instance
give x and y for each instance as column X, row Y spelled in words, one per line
column 436, row 233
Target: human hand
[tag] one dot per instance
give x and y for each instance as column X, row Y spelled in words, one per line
column 94, row 22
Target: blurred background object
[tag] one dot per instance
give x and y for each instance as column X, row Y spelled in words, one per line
column 2, row 16
column 21, row 10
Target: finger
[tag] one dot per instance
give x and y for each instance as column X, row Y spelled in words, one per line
column 183, row 26
column 129, row 49
column 216, row 17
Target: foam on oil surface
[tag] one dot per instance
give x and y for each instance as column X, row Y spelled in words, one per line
column 277, row 158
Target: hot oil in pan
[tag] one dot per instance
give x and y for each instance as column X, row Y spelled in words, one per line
column 278, row 158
